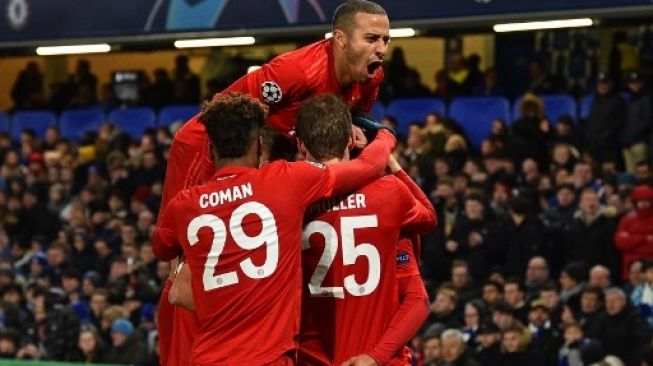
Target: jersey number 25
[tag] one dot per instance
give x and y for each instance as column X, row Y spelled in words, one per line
column 350, row 252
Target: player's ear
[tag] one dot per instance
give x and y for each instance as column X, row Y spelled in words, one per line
column 302, row 148
column 350, row 143
column 340, row 38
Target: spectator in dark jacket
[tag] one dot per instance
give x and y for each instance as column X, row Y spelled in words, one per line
column 604, row 121
column 127, row 347
column 590, row 236
column 443, row 309
column 572, row 279
column 515, row 341
column 453, row 349
column 477, row 238
column 636, row 132
column 622, row 332
column 90, row 348
column 545, row 337
column 531, row 131
column 489, row 344
column 27, row 92
column 525, row 236
column 591, row 310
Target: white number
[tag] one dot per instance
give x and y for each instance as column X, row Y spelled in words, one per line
column 350, row 253
column 326, row 260
column 268, row 236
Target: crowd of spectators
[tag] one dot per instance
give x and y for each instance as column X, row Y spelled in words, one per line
column 542, row 256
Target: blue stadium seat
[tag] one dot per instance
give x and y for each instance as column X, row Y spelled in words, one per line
column 555, row 106
column 4, row 122
column 475, row 115
column 74, row 123
column 174, row 113
column 413, row 110
column 378, row 111
column 586, row 105
column 38, row 121
column 133, row 121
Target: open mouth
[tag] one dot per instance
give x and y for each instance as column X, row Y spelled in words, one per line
column 373, row 66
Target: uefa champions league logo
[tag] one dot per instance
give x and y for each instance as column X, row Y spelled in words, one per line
column 17, row 13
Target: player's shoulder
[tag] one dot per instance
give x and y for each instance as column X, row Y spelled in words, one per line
column 387, row 184
column 191, row 132
column 278, row 166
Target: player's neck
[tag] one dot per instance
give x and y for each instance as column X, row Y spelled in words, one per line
column 240, row 162
column 342, row 69
column 328, row 162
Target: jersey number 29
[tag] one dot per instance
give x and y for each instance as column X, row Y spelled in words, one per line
column 268, row 237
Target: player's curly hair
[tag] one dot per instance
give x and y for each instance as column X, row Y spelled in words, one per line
column 232, row 121
column 324, row 126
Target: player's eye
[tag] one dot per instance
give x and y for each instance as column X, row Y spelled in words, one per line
column 386, row 40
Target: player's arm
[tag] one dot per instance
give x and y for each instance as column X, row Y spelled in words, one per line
column 181, row 292
column 419, row 216
column 406, row 322
column 164, row 241
column 289, row 81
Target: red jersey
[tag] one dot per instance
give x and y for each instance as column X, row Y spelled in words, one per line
column 350, row 280
column 289, row 79
column 241, row 236
column 189, row 165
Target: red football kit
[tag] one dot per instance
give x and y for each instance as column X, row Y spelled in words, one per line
column 189, row 165
column 289, row 79
column 350, row 270
column 297, row 75
column 241, row 236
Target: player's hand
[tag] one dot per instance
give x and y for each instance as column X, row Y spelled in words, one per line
column 360, row 140
column 369, row 126
column 360, row 360
column 393, row 165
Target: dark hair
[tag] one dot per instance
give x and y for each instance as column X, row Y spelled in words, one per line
column 516, row 281
column 231, row 121
column 593, row 290
column 551, row 286
column 324, row 126
column 344, row 16
column 494, row 284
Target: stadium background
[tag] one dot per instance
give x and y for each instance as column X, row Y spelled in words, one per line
column 105, row 180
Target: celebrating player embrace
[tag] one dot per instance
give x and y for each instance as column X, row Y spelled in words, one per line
column 241, row 232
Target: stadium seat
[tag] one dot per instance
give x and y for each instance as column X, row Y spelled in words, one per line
column 4, row 122
column 133, row 121
column 74, row 123
column 475, row 115
column 555, row 106
column 174, row 113
column 378, row 111
column 407, row 111
column 586, row 105
column 38, row 121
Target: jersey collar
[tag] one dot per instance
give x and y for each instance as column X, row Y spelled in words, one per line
column 230, row 172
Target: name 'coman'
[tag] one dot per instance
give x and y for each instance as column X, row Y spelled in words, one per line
column 226, row 195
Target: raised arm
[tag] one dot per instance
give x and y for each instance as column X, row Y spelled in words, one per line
column 367, row 167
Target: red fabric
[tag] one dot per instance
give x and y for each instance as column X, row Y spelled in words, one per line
column 250, row 320
column 337, row 321
column 634, row 238
column 301, row 74
column 164, row 324
column 183, row 333
column 405, row 323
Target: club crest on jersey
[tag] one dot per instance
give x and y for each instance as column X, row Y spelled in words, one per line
column 271, row 92
column 402, row 258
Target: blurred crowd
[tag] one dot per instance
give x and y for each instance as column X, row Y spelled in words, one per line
column 542, row 256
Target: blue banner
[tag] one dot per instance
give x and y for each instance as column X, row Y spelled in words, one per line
column 28, row 20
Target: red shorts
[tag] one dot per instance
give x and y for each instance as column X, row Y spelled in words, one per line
column 164, row 320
